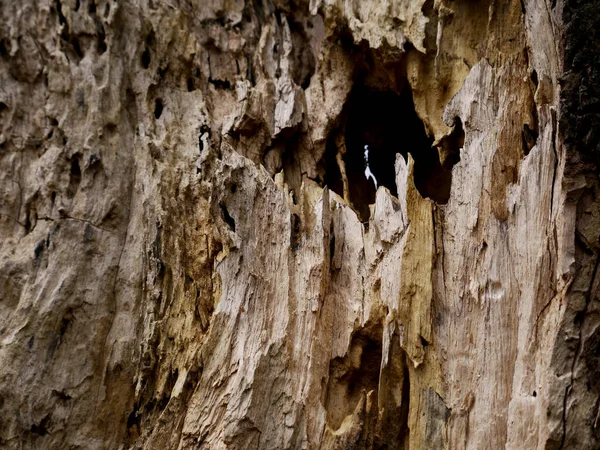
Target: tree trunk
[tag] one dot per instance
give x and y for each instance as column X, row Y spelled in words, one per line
column 260, row 224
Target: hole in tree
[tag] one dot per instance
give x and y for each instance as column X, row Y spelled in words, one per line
column 133, row 418
column 146, row 55
column 158, row 108
column 220, row 84
column 101, row 40
column 227, row 217
column 146, row 59
column 74, row 175
column 200, row 144
column 3, row 50
column 372, row 141
column 377, row 125
column 41, row 429
column 203, row 130
column 534, row 78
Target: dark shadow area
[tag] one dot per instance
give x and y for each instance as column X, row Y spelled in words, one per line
column 329, row 169
column 303, row 60
column 354, row 375
column 451, row 145
column 393, row 431
column 146, row 58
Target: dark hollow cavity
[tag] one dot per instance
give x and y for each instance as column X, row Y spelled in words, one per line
column 386, row 123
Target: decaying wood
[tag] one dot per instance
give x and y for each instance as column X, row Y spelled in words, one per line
column 192, row 257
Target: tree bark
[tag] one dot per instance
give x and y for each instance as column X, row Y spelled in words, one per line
column 191, row 255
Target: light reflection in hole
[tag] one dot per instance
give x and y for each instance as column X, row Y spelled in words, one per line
column 368, row 173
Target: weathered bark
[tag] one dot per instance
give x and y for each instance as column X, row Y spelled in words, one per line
column 192, row 257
